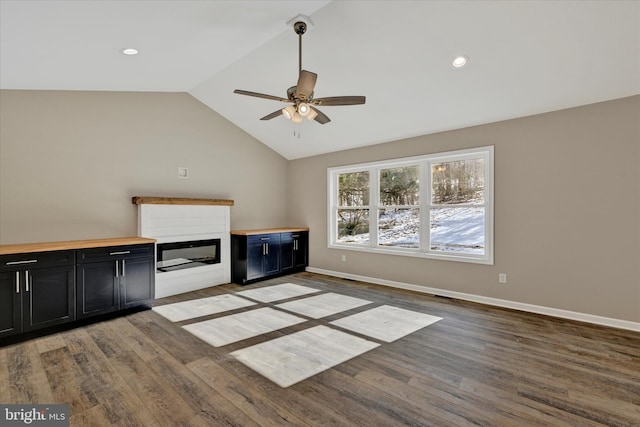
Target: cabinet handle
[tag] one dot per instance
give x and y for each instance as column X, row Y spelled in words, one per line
column 117, row 275
column 17, row 282
column 267, row 246
column 123, row 271
column 295, row 245
column 120, row 253
column 26, row 280
column 265, row 238
column 30, row 261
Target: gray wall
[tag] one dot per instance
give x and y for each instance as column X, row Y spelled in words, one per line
column 71, row 161
column 567, row 211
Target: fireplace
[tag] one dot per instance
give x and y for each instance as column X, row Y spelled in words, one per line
column 192, row 241
column 180, row 255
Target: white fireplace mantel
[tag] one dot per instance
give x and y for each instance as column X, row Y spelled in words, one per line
column 179, row 220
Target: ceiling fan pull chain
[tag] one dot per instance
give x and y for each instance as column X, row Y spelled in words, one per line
column 296, row 130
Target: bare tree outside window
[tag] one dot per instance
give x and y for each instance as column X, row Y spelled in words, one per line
column 399, row 213
column 458, row 182
column 457, row 206
column 353, row 207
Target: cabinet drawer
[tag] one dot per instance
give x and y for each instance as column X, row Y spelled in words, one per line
column 290, row 235
column 114, row 252
column 28, row 261
column 263, row 238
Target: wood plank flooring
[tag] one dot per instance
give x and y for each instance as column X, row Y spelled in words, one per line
column 479, row 365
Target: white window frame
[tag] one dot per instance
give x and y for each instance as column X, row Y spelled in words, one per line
column 425, row 162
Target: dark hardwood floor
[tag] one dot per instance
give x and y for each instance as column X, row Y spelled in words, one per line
column 480, row 365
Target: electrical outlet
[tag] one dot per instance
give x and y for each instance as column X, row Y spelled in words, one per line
column 502, row 277
column 344, row 258
column 183, row 173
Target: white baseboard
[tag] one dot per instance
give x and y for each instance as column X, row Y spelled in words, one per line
column 538, row 309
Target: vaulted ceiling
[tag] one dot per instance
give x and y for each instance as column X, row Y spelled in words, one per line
column 524, row 58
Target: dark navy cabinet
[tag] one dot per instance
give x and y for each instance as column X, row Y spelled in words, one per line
column 46, row 285
column 114, row 278
column 36, row 291
column 260, row 254
column 263, row 255
column 294, row 247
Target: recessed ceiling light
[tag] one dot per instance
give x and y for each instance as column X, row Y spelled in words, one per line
column 129, row 51
column 460, row 61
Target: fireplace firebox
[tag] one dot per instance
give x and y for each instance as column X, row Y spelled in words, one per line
column 182, row 255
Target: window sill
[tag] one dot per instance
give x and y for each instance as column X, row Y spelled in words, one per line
column 414, row 253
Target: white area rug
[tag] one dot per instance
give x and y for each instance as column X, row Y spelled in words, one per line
column 386, row 323
column 201, row 307
column 293, row 358
column 237, row 327
column 277, row 292
column 323, row 305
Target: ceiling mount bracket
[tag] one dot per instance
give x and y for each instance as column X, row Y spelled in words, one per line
column 300, row 19
column 300, row 28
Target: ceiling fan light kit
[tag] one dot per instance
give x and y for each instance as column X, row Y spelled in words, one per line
column 289, row 112
column 300, row 96
column 303, row 109
column 311, row 115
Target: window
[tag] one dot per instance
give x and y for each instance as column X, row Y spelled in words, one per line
column 399, row 208
column 353, row 207
column 434, row 206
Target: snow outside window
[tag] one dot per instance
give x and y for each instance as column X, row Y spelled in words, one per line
column 433, row 206
column 399, row 207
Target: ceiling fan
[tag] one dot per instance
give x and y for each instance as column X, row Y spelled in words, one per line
column 300, row 96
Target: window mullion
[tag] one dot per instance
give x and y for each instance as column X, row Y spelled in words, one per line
column 425, row 199
column 332, row 223
column 374, row 205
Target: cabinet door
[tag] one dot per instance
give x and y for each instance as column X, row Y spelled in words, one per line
column 271, row 263
column 286, row 251
column 97, row 288
column 137, row 282
column 48, row 297
column 301, row 250
column 10, row 307
column 255, row 253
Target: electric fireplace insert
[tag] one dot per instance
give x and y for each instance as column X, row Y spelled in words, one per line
column 180, row 255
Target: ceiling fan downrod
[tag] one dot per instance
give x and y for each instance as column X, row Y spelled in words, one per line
column 300, row 28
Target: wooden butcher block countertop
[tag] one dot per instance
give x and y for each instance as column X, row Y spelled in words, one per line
column 22, row 248
column 268, row 231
